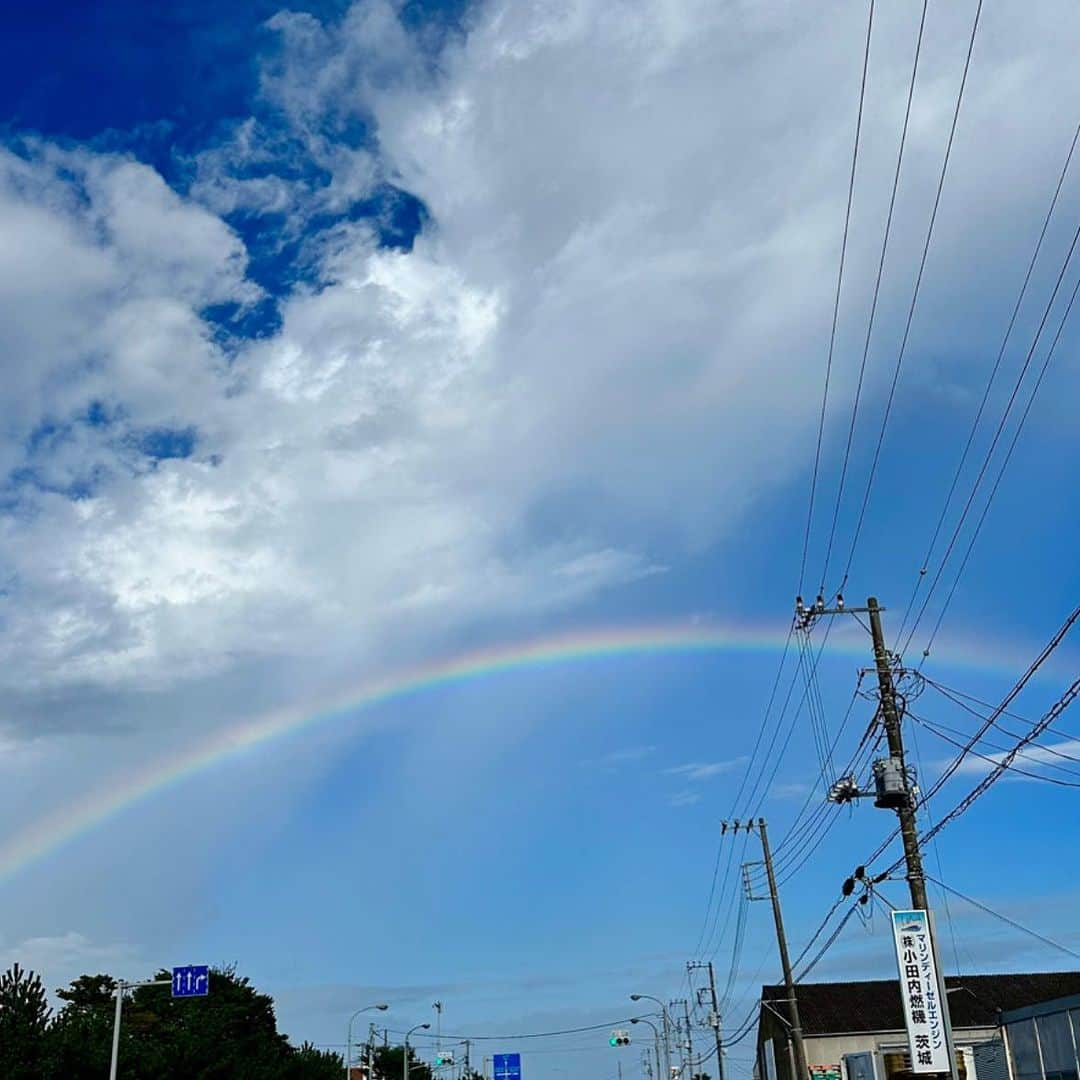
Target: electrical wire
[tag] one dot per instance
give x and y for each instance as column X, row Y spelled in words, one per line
column 1004, row 464
column 1005, row 919
column 795, row 825
column 1028, row 757
column 989, row 385
column 874, row 301
column 914, row 301
column 830, row 941
column 836, row 300
column 959, row 697
column 527, row 1035
column 997, row 762
column 1006, row 701
column 739, row 793
column 993, row 446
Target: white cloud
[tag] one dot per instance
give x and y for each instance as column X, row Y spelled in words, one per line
column 1058, row 756
column 705, row 770
column 685, row 798
column 620, row 307
column 60, row 958
column 625, row 755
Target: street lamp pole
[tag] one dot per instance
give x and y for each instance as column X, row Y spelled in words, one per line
column 382, row 1007
column 121, row 987
column 656, row 1042
column 666, row 1020
column 405, row 1059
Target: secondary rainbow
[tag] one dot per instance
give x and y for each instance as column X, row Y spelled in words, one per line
column 69, row 822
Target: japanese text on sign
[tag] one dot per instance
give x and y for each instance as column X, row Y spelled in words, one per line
column 919, row 992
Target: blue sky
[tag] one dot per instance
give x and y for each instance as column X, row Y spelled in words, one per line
column 341, row 338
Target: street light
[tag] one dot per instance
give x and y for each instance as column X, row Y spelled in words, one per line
column 656, row 1040
column 382, row 1007
column 405, row 1065
column 666, row 1022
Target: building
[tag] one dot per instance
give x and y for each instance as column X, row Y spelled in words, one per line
column 855, row 1031
column 1043, row 1040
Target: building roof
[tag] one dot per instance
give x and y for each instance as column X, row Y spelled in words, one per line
column 835, row 1008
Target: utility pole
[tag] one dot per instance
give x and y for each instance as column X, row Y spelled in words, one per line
column 892, row 783
column 896, row 768
column 673, row 1008
column 689, row 1039
column 714, row 1015
column 802, row 1069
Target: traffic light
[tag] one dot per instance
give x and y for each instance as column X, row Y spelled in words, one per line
column 444, row 1058
column 619, row 1038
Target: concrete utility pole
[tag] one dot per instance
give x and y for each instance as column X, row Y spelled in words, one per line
column 714, row 1016
column 892, row 783
column 689, row 1040
column 798, row 1047
column 904, row 804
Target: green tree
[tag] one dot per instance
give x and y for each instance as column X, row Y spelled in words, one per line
column 80, row 1036
column 232, row 1032
column 307, row 1062
column 24, row 1021
column 390, row 1064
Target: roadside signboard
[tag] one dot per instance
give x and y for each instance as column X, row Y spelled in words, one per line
column 192, row 980
column 920, row 992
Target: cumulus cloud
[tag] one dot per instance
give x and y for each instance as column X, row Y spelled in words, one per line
column 603, row 350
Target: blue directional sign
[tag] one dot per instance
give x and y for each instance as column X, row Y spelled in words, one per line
column 191, row 981
column 507, row 1067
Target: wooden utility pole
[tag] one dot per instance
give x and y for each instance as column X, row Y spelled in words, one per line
column 798, row 1046
column 801, row 1066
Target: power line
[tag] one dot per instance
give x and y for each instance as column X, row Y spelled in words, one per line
column 836, row 301
column 989, row 385
column 831, row 940
column 914, row 298
column 527, row 1035
column 998, row 762
column 1004, row 465
column 993, row 446
column 1005, row 919
column 874, row 302
column 1052, row 751
column 959, row 697
column 1000, row 767
column 739, row 793
column 1016, row 690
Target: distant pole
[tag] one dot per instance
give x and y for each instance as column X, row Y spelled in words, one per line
column 800, row 1068
column 405, row 1057
column 116, row 1031
column 689, row 1039
column 799, row 1047
column 714, row 1018
column 716, row 1024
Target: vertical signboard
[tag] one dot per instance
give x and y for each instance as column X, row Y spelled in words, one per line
column 920, row 993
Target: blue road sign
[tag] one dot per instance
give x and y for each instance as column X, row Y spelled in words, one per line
column 191, row 981
column 507, row 1067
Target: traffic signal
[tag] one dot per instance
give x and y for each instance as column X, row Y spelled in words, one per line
column 619, row 1038
column 445, row 1058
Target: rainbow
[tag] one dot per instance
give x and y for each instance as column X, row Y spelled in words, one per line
column 76, row 819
